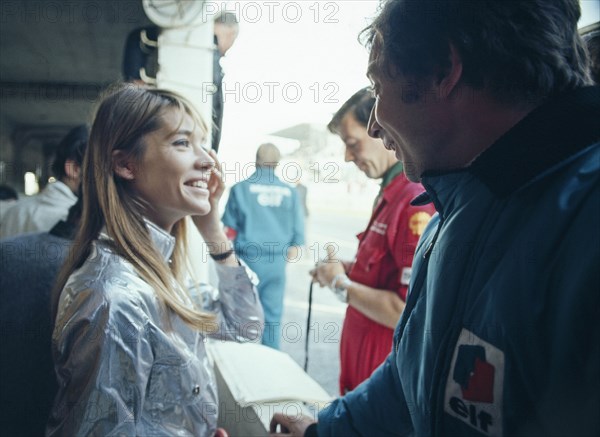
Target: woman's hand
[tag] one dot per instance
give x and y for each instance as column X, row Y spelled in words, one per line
column 209, row 225
column 216, row 185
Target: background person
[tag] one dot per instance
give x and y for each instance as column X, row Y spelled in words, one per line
column 501, row 330
column 265, row 219
column 138, row 55
column 129, row 339
column 29, row 264
column 8, row 197
column 375, row 283
column 41, row 212
column 303, row 196
column 226, row 29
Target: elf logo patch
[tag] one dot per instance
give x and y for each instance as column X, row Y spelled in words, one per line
column 474, row 385
column 474, row 374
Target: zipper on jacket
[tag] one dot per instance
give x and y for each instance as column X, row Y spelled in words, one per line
column 417, row 287
column 433, row 240
column 445, row 356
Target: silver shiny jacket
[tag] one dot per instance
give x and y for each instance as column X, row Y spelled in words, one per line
column 125, row 366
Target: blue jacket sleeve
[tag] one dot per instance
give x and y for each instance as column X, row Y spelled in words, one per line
column 376, row 407
column 298, row 229
column 232, row 216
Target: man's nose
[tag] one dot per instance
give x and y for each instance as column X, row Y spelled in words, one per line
column 373, row 128
column 348, row 155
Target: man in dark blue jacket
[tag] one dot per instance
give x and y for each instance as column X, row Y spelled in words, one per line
column 488, row 105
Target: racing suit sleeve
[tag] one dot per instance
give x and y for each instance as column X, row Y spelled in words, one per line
column 298, row 227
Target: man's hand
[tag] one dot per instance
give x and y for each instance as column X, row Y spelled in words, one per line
column 294, row 426
column 327, row 269
column 293, row 253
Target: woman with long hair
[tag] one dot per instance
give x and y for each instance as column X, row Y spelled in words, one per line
column 129, row 334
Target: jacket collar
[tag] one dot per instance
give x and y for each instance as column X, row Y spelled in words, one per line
column 262, row 173
column 164, row 242
column 548, row 135
column 59, row 190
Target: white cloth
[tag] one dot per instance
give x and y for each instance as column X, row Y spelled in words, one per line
column 38, row 213
column 5, row 205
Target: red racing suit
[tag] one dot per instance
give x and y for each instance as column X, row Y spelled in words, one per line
column 383, row 261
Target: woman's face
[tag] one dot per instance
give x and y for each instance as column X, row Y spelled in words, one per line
column 174, row 171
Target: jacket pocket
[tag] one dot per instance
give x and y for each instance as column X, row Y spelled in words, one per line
column 173, row 382
column 369, row 261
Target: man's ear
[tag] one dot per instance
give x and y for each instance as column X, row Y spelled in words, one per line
column 451, row 76
column 72, row 169
column 122, row 165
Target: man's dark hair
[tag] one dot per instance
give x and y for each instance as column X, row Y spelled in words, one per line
column 359, row 105
column 519, row 50
column 72, row 147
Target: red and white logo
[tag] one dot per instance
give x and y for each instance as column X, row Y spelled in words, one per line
column 474, row 385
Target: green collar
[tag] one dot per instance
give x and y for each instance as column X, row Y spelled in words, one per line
column 391, row 173
column 387, row 178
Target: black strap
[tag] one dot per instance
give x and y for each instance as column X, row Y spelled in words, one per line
column 311, row 431
column 221, row 256
column 310, row 294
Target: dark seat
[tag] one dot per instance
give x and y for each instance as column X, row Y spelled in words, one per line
column 28, row 268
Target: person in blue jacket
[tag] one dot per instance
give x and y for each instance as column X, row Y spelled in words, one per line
column 489, row 105
column 265, row 219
